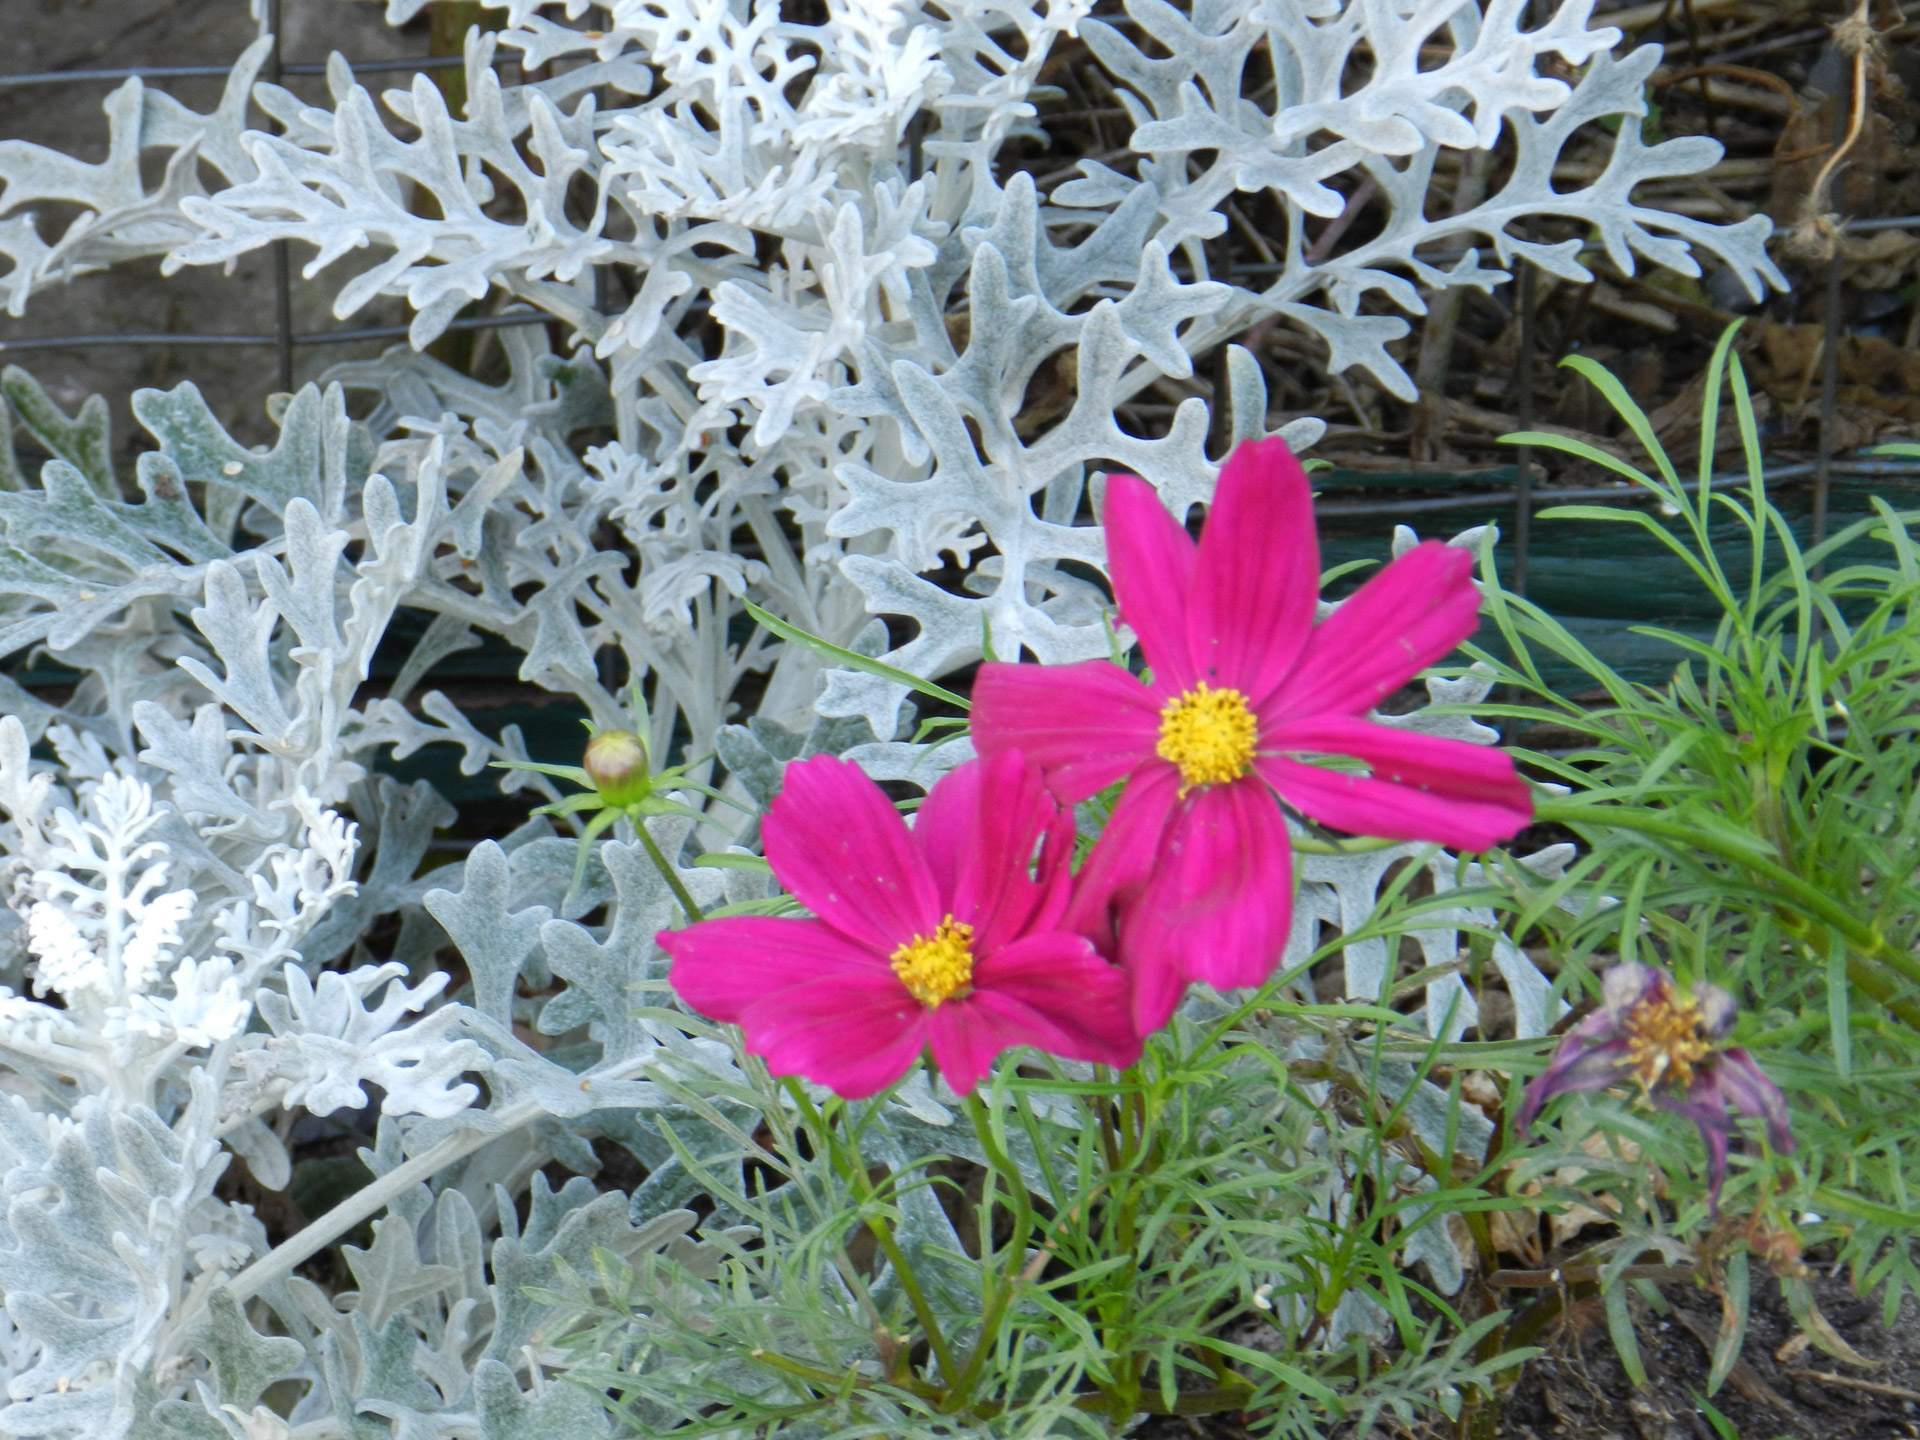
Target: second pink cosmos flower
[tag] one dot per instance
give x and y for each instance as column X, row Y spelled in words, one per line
column 1193, row 879
column 946, row 937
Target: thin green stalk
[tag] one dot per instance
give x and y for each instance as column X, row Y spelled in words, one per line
column 1003, row 1165
column 1000, row 1297
column 909, row 1282
column 1864, row 939
column 1107, row 1109
column 853, row 1170
column 688, row 904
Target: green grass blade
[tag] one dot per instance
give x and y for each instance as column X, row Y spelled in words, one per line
column 852, row 659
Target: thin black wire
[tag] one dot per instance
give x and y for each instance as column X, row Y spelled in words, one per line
column 1500, row 499
column 285, row 339
column 178, row 72
column 282, row 250
column 1830, row 332
column 310, row 337
column 1526, row 323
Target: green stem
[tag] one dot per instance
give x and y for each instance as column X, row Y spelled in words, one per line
column 1109, row 1109
column 1361, row 845
column 1000, row 1298
column 1016, row 1183
column 1845, row 1204
column 1217, row 1400
column 687, row 903
column 853, row 1170
column 812, row 1374
column 909, row 1282
column 1864, row 940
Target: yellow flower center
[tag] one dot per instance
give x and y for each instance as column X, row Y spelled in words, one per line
column 939, row 966
column 1209, row 734
column 1664, row 1041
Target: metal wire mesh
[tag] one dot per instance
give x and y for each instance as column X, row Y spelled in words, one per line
column 286, row 341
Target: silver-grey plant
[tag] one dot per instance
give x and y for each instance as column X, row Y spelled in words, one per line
column 197, row 841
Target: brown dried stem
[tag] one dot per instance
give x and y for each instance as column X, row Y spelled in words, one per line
column 1817, row 233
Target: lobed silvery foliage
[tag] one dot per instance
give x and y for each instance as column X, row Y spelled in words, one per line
column 829, row 306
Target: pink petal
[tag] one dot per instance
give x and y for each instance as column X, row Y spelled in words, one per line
column 1080, row 1012
column 1749, row 1091
column 836, row 842
column 1110, row 884
column 1158, row 985
column 722, row 967
column 1218, row 902
column 855, row 1035
column 1069, row 1000
column 1258, row 575
column 1123, row 857
column 1470, row 792
column 1575, row 1066
column 1085, row 725
column 996, row 891
column 1404, row 619
column 1150, row 559
column 980, row 828
column 1364, row 806
column 943, row 826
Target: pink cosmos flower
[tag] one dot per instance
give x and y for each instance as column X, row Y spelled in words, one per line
column 947, row 935
column 1193, row 879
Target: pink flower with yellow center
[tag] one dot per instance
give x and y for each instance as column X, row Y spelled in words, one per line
column 1193, row 879
column 947, row 936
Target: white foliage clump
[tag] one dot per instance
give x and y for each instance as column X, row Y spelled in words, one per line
column 807, row 302
column 104, row 933
column 327, row 1044
column 184, row 874
column 156, row 988
column 859, row 152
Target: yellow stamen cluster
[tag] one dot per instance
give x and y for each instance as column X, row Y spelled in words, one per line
column 1664, row 1042
column 1209, row 734
column 939, row 966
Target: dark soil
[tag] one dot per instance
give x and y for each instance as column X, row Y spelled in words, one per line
column 1783, row 1387
column 1578, row 1389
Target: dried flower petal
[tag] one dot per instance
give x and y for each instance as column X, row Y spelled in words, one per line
column 1648, row 1033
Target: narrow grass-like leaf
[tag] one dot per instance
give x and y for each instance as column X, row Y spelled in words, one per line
column 1628, row 410
column 852, row 659
column 1839, row 1008
column 1733, row 1321
column 1626, row 1343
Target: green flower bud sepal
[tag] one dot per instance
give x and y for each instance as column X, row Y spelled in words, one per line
column 618, row 779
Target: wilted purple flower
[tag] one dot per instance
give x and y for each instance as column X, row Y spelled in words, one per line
column 1647, row 1032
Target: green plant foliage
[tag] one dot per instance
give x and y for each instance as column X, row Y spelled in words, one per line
column 1752, row 823
column 1069, row 1251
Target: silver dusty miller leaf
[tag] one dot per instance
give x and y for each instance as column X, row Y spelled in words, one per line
column 120, row 219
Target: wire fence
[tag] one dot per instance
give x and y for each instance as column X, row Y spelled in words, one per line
column 1522, row 497
column 284, row 339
